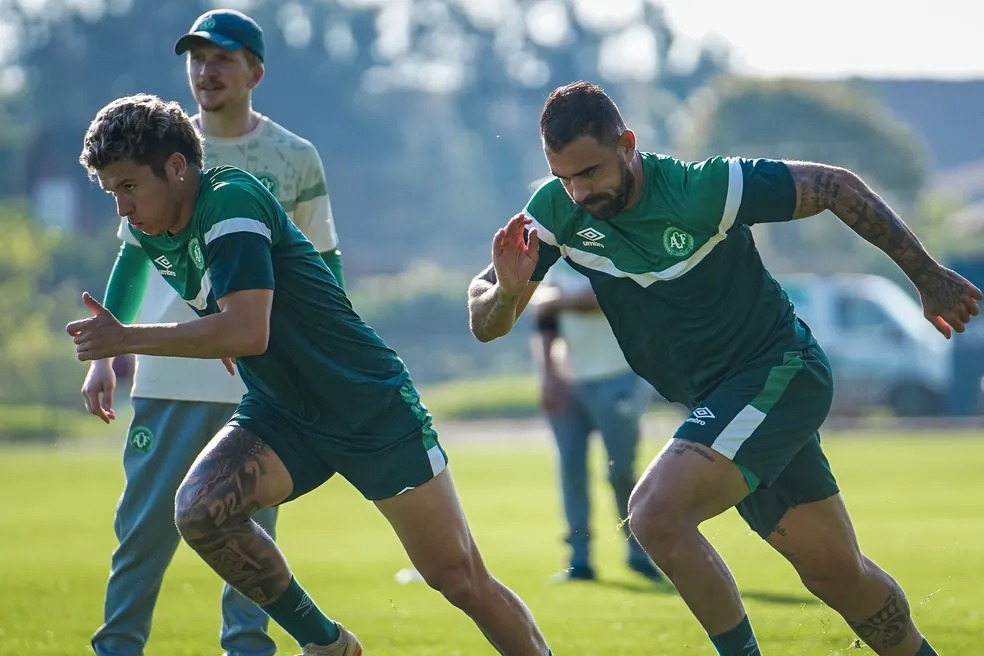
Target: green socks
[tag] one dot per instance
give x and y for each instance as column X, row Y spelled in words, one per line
column 739, row 641
column 298, row 615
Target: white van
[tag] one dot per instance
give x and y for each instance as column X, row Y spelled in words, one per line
column 882, row 350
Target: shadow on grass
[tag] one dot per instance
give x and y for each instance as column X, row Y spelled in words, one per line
column 666, row 588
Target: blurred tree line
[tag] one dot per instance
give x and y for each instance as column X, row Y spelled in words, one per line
column 426, row 116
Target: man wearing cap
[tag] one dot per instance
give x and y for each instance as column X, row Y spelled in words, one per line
column 179, row 404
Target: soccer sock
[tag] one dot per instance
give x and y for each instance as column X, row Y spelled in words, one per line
column 299, row 616
column 739, row 641
column 925, row 649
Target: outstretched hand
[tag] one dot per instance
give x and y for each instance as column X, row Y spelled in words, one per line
column 949, row 300
column 514, row 256
column 98, row 388
column 100, row 336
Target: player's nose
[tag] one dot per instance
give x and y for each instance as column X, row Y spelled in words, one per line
column 123, row 208
column 580, row 191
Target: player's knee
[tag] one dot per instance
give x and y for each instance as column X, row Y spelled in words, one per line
column 459, row 581
column 191, row 514
column 658, row 526
column 832, row 575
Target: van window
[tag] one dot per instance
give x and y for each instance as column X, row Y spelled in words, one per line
column 855, row 314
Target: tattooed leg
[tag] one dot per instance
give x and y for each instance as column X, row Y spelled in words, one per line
column 819, row 541
column 889, row 626
column 235, row 476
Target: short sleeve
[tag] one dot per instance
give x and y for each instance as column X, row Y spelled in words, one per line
column 239, row 261
column 238, row 237
column 768, row 192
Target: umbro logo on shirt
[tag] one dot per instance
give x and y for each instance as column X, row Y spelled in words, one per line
column 700, row 415
column 164, row 266
column 591, row 237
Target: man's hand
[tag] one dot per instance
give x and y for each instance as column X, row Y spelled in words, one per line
column 949, row 300
column 98, row 388
column 554, row 393
column 513, row 258
column 100, row 336
column 230, row 365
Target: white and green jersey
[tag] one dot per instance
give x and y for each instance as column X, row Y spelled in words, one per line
column 291, row 169
column 323, row 367
column 678, row 275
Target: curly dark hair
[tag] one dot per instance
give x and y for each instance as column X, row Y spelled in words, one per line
column 141, row 128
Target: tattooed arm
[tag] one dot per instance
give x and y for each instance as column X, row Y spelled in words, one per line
column 948, row 299
column 498, row 295
column 492, row 310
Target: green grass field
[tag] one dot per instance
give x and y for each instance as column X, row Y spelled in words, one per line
column 916, row 501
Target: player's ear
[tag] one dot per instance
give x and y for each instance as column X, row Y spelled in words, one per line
column 176, row 167
column 627, row 143
column 256, row 71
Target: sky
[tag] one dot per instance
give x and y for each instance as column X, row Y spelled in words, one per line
column 836, row 38
column 829, row 39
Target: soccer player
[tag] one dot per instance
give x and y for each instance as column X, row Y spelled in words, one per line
column 668, row 248
column 178, row 404
column 324, row 395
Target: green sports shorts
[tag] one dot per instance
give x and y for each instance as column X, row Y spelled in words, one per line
column 766, row 419
column 393, row 452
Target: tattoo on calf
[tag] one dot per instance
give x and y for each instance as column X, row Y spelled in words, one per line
column 217, row 524
column 889, row 626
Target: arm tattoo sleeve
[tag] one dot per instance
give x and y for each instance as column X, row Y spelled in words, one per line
column 820, row 187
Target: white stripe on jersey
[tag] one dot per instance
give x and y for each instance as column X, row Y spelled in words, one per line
column 200, row 302
column 598, row 262
column 241, row 224
column 736, row 187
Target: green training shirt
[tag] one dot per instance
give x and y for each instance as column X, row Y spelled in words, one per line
column 323, row 367
column 678, row 274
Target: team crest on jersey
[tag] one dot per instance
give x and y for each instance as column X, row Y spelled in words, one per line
column 195, row 252
column 270, row 182
column 141, row 438
column 677, row 242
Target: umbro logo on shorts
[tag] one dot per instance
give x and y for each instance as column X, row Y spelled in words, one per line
column 700, row 415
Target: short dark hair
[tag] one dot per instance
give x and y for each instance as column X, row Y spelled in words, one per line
column 141, row 128
column 577, row 110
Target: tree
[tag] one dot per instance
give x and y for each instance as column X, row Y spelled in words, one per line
column 425, row 110
column 830, row 122
column 36, row 355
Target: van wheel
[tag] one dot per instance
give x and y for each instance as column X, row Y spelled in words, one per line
column 914, row 400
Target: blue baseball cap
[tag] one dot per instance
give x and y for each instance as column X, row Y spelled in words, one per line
column 226, row 28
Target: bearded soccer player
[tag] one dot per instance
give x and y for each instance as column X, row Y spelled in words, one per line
column 669, row 252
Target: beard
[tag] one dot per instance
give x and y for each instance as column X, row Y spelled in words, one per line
column 604, row 206
column 211, row 102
